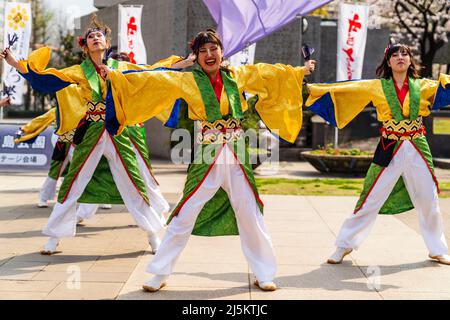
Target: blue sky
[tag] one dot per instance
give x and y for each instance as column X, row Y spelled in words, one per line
column 66, row 11
column 82, row 6
column 65, row 14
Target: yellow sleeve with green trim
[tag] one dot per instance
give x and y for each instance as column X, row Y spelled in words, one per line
column 45, row 79
column 70, row 84
column 279, row 88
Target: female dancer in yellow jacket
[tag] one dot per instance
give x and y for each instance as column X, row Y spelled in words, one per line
column 81, row 92
column 221, row 168
column 401, row 176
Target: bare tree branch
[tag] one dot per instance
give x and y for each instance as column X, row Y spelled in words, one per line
column 444, row 5
column 414, row 4
column 429, row 5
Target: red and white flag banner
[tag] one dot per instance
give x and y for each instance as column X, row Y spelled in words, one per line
column 352, row 35
column 130, row 33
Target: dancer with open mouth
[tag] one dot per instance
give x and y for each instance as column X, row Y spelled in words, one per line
column 221, row 168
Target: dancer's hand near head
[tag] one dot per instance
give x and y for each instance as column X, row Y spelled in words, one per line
column 104, row 71
column 11, row 60
column 310, row 66
column 5, row 102
column 186, row 63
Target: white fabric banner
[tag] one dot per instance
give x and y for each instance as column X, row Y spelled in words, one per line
column 352, row 35
column 17, row 26
column 244, row 57
column 130, row 33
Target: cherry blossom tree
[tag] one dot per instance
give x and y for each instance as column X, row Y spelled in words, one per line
column 425, row 24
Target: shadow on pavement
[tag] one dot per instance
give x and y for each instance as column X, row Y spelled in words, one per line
column 82, row 232
column 332, row 278
column 35, row 262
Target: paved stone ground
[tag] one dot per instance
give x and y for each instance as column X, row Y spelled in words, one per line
column 303, row 170
column 110, row 254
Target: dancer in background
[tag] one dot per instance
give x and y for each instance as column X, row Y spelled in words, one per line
column 81, row 92
column 401, row 176
column 61, row 156
column 137, row 136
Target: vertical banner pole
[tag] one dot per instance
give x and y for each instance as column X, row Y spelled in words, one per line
column 352, row 36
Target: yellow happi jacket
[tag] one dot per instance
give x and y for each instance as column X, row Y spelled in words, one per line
column 140, row 95
column 339, row 103
column 72, row 87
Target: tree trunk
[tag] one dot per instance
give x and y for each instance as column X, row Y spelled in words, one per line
column 427, row 63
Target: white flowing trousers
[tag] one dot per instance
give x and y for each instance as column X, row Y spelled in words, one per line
column 48, row 189
column 155, row 196
column 409, row 164
column 86, row 211
column 62, row 221
column 255, row 239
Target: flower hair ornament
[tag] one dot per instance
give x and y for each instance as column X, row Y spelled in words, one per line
column 81, row 41
column 389, row 47
column 386, row 51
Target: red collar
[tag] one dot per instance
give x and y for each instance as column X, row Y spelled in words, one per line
column 217, row 85
column 401, row 93
column 97, row 69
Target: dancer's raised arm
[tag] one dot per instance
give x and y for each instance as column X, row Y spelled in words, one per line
column 339, row 103
column 41, row 78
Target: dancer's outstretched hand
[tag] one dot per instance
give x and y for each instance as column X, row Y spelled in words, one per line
column 5, row 102
column 4, row 53
column 9, row 57
column 11, row 60
column 310, row 66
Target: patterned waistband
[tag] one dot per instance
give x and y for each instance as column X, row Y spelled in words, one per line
column 96, row 112
column 67, row 137
column 403, row 130
column 219, row 131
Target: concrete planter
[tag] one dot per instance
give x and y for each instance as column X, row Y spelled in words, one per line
column 338, row 163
